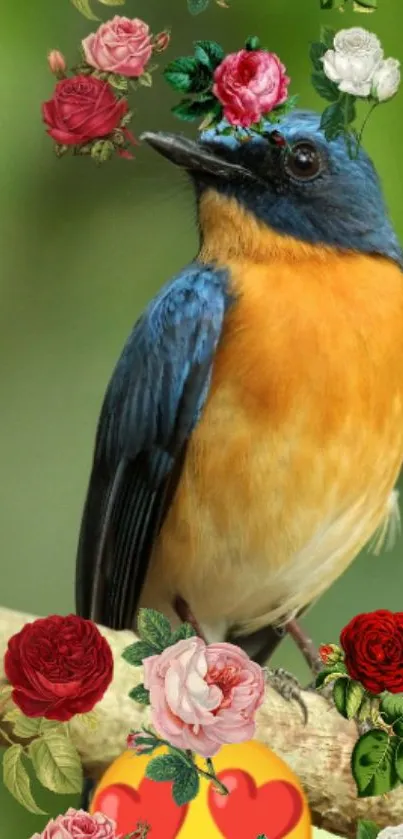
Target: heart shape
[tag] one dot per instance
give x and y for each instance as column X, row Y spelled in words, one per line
column 274, row 809
column 152, row 803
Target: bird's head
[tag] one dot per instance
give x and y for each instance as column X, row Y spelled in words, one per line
column 289, row 182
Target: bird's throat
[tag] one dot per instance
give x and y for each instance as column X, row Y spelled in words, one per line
column 229, row 233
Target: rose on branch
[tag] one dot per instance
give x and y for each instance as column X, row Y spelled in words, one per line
column 57, row 668
column 366, row 672
column 201, row 696
column 349, row 66
column 246, row 88
column 89, row 112
column 77, row 824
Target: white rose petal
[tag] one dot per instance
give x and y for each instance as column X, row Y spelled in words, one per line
column 352, row 64
column 357, row 42
column 386, row 80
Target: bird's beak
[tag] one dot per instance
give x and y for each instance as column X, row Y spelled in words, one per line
column 192, row 155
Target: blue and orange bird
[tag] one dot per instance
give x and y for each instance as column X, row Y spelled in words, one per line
column 252, row 431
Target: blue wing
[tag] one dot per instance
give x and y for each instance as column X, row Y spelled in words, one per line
column 152, row 404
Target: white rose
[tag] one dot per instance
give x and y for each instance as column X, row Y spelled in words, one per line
column 352, row 62
column 391, row 832
column 386, row 80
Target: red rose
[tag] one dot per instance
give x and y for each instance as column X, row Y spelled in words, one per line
column 58, row 666
column 82, row 108
column 373, row 644
column 249, row 84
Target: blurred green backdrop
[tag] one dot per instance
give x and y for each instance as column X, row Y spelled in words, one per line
column 82, row 251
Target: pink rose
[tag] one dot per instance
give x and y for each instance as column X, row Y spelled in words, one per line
column 203, row 696
column 120, row 45
column 77, row 824
column 249, row 84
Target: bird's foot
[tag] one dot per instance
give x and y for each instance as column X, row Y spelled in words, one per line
column 287, row 686
column 305, row 645
column 185, row 615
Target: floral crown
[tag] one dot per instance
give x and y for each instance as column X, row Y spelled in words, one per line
column 89, row 112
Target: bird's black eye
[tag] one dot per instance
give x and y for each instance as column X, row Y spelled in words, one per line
column 303, row 161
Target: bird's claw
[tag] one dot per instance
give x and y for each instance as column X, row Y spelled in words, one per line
column 287, row 686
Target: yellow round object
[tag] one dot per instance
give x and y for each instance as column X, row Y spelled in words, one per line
column 266, row 798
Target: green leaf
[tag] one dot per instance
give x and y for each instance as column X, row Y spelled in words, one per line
column 195, row 7
column 354, row 695
column 347, row 103
column 84, row 7
column 118, row 82
column 57, row 763
column 154, row 628
column 140, row 694
column 367, row 829
column 391, row 707
column 136, row 653
column 373, row 763
column 252, row 43
column 179, row 81
column 27, row 726
column 333, row 669
column 191, row 111
column 16, row 779
column 365, row 5
column 316, row 52
column 209, row 53
column 184, row 631
column 145, row 79
column 113, row 2
column 327, row 36
column 324, row 87
column 340, row 695
column 332, row 121
column 185, row 787
column 399, row 761
column 165, row 768
column 326, row 4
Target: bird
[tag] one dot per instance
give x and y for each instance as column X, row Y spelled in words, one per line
column 251, row 435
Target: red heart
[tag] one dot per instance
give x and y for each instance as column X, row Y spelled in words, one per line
column 273, row 809
column 152, row 803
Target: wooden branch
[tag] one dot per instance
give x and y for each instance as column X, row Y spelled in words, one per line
column 319, row 753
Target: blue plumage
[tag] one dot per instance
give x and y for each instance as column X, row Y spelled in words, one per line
column 152, row 404
column 343, row 208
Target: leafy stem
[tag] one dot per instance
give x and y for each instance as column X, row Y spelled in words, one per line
column 188, row 757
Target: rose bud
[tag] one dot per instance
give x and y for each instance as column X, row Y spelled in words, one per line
column 161, row 41
column 330, row 653
column 57, row 63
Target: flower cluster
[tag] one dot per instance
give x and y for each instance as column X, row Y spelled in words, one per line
column 58, row 668
column 247, row 87
column 89, row 111
column 356, row 64
column 366, row 674
column 201, row 697
column 348, row 66
column 77, row 824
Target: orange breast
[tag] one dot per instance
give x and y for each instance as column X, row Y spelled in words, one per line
column 291, row 468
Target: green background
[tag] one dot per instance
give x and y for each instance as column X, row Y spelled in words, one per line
column 82, row 251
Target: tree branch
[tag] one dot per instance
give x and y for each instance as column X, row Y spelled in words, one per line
column 319, row 753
